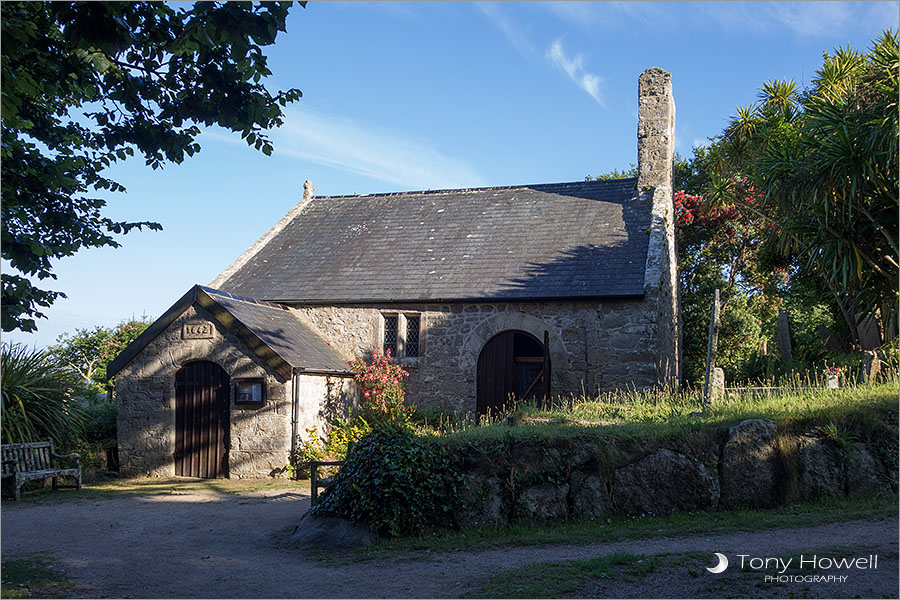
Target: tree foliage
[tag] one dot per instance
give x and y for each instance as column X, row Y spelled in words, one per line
column 88, row 84
column 826, row 161
column 88, row 352
column 721, row 246
column 724, row 247
column 794, row 207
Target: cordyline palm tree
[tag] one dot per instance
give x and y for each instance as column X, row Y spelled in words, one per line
column 827, row 162
column 37, row 394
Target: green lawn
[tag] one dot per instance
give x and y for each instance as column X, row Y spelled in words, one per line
column 34, row 576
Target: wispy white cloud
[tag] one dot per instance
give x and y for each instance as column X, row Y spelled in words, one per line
column 367, row 150
column 515, row 34
column 604, row 14
column 811, row 19
column 574, row 68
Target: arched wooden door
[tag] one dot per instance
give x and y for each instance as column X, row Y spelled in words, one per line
column 201, row 420
column 513, row 366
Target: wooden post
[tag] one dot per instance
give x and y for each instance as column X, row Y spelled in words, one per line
column 545, row 392
column 711, row 349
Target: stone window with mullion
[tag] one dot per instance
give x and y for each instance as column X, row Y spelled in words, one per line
column 401, row 333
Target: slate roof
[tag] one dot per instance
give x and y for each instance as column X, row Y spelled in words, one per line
column 575, row 240
column 269, row 330
column 280, row 331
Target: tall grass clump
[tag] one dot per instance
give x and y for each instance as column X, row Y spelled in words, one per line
column 38, row 397
column 656, row 415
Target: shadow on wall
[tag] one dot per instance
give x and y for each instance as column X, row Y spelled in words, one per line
column 340, row 397
column 153, row 429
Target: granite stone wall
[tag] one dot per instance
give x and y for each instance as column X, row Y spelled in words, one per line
column 594, row 346
column 260, row 436
column 323, row 399
column 752, row 464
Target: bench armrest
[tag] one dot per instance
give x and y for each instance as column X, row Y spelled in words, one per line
column 75, row 456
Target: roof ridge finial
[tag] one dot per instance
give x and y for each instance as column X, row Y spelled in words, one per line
column 308, row 189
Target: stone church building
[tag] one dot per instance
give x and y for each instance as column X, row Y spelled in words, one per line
column 486, row 296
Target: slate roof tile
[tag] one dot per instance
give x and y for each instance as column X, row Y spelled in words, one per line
column 549, row 241
column 278, row 329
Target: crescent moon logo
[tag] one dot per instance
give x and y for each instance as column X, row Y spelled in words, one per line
column 723, row 564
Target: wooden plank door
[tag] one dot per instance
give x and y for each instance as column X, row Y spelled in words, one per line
column 512, row 366
column 496, row 373
column 201, row 420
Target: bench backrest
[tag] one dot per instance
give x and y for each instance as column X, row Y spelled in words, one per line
column 32, row 456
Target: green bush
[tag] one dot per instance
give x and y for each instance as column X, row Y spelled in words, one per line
column 340, row 435
column 38, row 398
column 397, row 483
column 100, row 423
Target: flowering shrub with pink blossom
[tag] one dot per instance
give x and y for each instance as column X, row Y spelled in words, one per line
column 381, row 388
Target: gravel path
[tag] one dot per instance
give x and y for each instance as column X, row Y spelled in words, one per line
column 234, row 545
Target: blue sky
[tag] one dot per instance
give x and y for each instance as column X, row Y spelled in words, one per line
column 404, row 96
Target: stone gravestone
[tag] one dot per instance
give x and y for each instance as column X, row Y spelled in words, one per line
column 784, row 336
column 869, row 333
column 871, row 366
column 832, row 342
column 717, row 385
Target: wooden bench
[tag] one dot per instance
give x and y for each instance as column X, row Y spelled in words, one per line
column 315, row 482
column 34, row 461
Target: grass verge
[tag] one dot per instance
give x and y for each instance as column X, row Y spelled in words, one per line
column 830, row 510
column 681, row 575
column 34, row 576
column 864, row 410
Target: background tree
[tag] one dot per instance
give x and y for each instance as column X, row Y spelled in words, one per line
column 826, row 161
column 794, row 207
column 87, row 84
column 88, row 352
column 720, row 246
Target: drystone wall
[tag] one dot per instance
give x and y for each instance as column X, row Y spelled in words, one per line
column 751, row 464
column 594, row 346
column 145, row 396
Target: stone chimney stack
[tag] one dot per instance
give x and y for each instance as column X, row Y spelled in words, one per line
column 656, row 130
column 656, row 155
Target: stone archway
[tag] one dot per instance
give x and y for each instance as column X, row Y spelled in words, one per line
column 508, row 321
column 512, row 367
